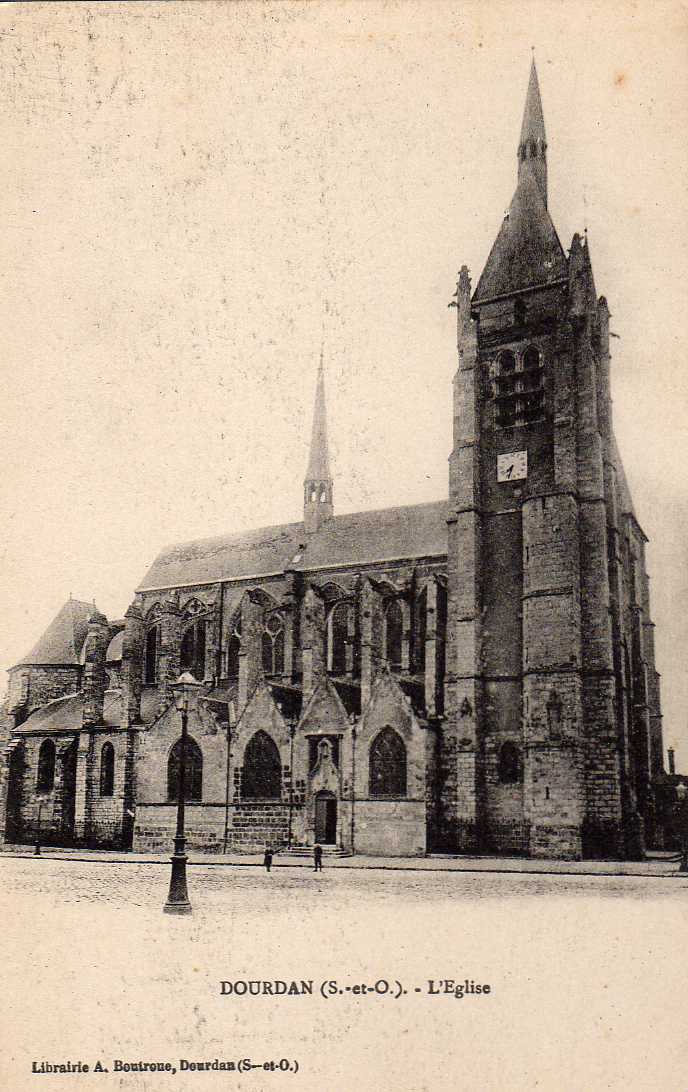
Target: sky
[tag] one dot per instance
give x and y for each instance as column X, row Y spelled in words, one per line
column 199, row 197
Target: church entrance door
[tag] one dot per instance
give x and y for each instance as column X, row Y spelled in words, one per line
column 326, row 819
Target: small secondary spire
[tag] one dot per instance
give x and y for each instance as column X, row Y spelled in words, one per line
column 317, row 496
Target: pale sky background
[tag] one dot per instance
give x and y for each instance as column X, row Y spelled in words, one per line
column 194, row 191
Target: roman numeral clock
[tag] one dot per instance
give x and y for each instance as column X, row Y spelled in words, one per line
column 512, row 467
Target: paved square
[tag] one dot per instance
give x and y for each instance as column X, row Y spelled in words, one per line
column 579, row 967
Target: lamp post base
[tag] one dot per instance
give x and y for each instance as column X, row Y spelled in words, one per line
column 178, row 897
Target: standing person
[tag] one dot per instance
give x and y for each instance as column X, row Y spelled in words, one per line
column 317, row 858
column 267, row 859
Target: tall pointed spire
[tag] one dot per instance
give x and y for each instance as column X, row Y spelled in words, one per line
column 317, row 496
column 527, row 251
column 532, row 144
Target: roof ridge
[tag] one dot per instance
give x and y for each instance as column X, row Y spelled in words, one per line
column 223, row 537
column 352, row 538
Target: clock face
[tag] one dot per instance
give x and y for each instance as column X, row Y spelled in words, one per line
column 512, row 467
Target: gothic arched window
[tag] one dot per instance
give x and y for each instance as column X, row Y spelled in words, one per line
column 531, row 357
column 192, row 656
column 193, row 774
column 509, row 764
column 337, row 636
column 394, row 628
column 150, row 663
column 46, row 766
column 388, row 764
column 273, row 645
column 233, row 649
column 262, row 777
column 107, row 770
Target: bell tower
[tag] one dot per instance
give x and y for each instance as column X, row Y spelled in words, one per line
column 318, row 505
column 534, row 748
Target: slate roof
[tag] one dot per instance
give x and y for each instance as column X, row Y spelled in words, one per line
column 114, row 649
column 65, row 714
column 356, row 538
column 625, row 500
column 63, row 640
column 350, row 695
column 527, row 250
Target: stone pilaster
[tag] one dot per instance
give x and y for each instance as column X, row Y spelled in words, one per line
column 251, row 655
column 458, row 819
column 371, row 638
column 312, row 640
column 290, row 613
column 431, row 648
column 554, row 789
column 603, row 833
column 170, row 623
column 84, row 787
column 129, row 794
column 95, row 675
column 132, row 665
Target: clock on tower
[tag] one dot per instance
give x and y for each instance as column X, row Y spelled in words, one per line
column 512, row 467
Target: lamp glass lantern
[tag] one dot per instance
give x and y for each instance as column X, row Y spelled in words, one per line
column 184, row 689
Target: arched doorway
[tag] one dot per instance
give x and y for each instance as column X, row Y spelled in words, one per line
column 326, row 818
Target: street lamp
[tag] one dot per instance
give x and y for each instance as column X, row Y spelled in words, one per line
column 682, row 809
column 178, row 899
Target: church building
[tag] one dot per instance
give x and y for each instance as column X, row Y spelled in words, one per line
column 471, row 675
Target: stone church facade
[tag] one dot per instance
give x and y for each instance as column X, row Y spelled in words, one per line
column 471, row 675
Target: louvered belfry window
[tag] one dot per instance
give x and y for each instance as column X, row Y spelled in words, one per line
column 517, row 383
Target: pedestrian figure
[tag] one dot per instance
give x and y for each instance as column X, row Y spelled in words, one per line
column 317, row 858
column 267, row 859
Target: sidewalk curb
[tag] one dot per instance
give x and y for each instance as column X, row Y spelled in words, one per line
column 353, row 867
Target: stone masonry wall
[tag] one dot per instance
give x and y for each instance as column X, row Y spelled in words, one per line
column 47, row 683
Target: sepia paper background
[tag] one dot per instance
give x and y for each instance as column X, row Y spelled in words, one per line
column 198, row 199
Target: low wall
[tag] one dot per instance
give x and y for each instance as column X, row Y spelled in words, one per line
column 155, row 825
column 252, row 826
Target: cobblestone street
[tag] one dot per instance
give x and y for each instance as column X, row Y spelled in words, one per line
column 221, row 890
column 563, row 956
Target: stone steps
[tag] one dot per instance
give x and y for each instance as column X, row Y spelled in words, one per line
column 307, row 851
